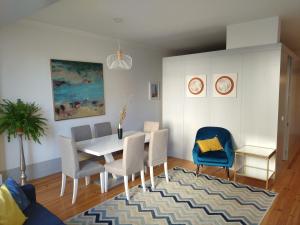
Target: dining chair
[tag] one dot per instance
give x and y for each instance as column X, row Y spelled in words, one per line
column 102, row 129
column 150, row 126
column 73, row 168
column 157, row 153
column 132, row 161
column 82, row 133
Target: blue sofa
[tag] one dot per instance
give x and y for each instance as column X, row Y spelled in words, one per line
column 36, row 213
column 214, row 158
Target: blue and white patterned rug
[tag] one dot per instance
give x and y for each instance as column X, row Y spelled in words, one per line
column 186, row 199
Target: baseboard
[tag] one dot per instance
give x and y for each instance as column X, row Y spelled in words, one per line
column 36, row 170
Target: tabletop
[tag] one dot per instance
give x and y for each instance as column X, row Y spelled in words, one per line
column 107, row 144
column 256, row 151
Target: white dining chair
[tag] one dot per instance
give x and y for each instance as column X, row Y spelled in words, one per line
column 150, row 126
column 82, row 133
column 132, row 161
column 102, row 129
column 157, row 153
column 73, row 168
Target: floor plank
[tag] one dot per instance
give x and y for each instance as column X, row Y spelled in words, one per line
column 285, row 210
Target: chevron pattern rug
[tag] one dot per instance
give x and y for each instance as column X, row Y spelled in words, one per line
column 186, row 199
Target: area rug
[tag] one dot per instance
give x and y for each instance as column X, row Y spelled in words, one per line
column 186, row 199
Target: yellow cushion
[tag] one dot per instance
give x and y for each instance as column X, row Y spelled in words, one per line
column 10, row 213
column 207, row 145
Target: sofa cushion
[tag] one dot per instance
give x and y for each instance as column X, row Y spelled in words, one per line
column 214, row 157
column 10, row 212
column 38, row 214
column 17, row 193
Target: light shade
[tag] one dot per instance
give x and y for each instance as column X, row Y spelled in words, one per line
column 119, row 61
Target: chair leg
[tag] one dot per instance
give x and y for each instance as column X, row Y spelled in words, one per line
column 87, row 180
column 166, row 171
column 105, row 180
column 133, row 177
column 75, row 189
column 102, row 182
column 63, row 184
column 228, row 175
column 126, row 187
column 143, row 180
column 197, row 170
column 152, row 177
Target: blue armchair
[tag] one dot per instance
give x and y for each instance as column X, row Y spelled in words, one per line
column 214, row 158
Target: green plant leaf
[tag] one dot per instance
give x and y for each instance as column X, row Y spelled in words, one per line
column 19, row 116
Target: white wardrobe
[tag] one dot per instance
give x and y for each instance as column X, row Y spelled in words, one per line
column 252, row 116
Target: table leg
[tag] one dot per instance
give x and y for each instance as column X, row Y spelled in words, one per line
column 109, row 158
column 267, row 181
column 234, row 169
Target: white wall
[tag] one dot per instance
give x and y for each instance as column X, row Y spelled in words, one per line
column 25, row 52
column 251, row 117
column 257, row 32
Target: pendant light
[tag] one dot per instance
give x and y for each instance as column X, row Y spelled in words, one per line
column 119, row 60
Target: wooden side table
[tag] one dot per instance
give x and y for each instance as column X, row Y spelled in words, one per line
column 256, row 162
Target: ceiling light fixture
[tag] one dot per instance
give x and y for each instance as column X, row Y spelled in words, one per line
column 119, row 60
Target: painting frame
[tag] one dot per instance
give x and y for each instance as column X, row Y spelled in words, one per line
column 225, row 85
column 87, row 74
column 196, row 86
column 154, row 91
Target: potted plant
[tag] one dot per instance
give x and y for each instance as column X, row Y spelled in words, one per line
column 20, row 120
column 121, row 120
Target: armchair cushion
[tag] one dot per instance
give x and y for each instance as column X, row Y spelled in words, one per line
column 214, row 157
column 207, row 145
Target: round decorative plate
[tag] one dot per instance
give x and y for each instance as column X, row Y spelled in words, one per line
column 196, row 85
column 224, row 85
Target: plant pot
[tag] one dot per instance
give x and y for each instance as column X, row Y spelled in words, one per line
column 19, row 131
column 120, row 133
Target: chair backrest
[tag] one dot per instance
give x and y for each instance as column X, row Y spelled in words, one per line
column 211, row 132
column 158, row 147
column 102, row 129
column 133, row 153
column 81, row 133
column 150, row 126
column 69, row 156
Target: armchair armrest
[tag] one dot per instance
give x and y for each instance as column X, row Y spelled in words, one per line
column 229, row 152
column 196, row 152
column 29, row 190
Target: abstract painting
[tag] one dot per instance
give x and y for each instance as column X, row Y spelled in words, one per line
column 78, row 89
column 224, row 85
column 153, row 91
column 195, row 86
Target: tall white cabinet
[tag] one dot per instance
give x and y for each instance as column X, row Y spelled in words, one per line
column 251, row 116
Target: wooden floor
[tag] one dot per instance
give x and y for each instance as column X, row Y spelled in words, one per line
column 285, row 210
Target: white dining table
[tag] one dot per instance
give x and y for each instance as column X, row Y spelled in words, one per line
column 106, row 145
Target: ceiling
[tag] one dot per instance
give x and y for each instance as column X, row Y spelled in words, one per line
column 12, row 10
column 176, row 25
